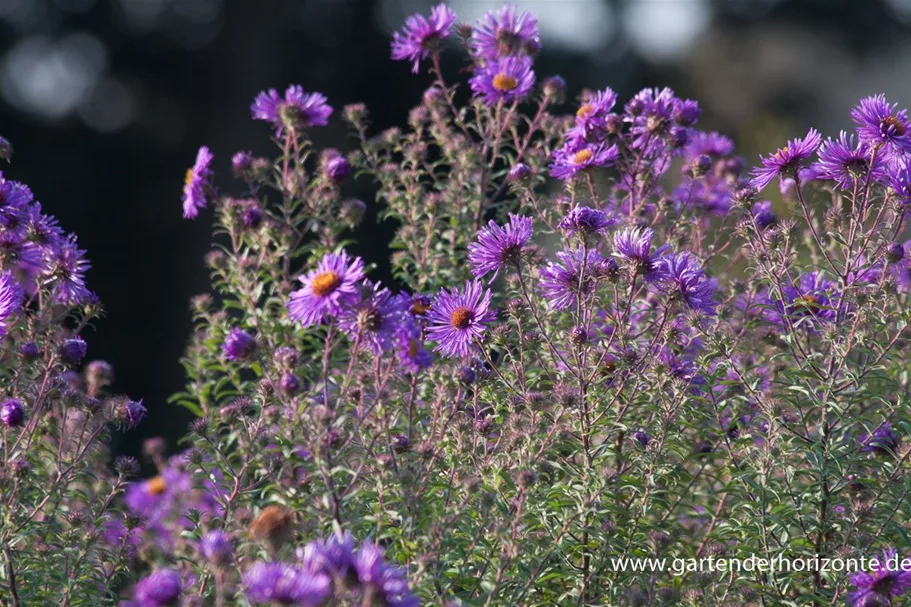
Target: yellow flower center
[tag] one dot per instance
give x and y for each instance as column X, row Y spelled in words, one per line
column 505, row 83
column 892, row 121
column 461, row 317
column 188, row 180
column 585, row 110
column 157, row 485
column 325, row 283
column 582, row 156
column 419, row 309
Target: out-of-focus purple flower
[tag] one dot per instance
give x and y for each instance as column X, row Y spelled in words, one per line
column 295, row 111
column 134, row 412
column 712, row 144
column 786, row 160
column 571, row 276
column 409, row 348
column 416, row 305
column 808, row 302
column 373, row 319
column 72, row 351
column 421, row 35
column 497, row 247
column 65, row 269
column 242, row 164
column 895, row 252
column 458, row 318
column 290, row 384
column 238, row 345
column 216, row 548
column 284, row 584
column 845, row 163
column 634, row 245
column 577, row 156
column 11, row 295
column 508, row 79
column 338, row 168
column 332, row 556
column 154, row 499
column 883, row 440
column 898, row 178
column 885, row 581
column 196, row 183
column 684, row 280
column 519, row 171
column 505, row 33
column 29, row 351
column 641, row 438
column 159, row 589
column 382, row 579
column 328, row 290
column 586, row 221
column 12, row 414
column 763, row 215
column 252, row 216
column 883, row 126
column 655, row 117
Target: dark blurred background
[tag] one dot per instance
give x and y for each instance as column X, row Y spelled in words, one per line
column 107, row 101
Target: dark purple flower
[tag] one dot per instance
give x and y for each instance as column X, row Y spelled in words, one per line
column 328, row 290
column 883, row 440
column 684, row 280
column 763, row 215
column 134, row 412
column 65, row 269
column 11, row 296
column 457, row 318
column 283, row 584
column 586, row 221
column 884, row 126
column 641, row 438
column 845, row 163
column 895, row 252
column 196, row 183
column 504, row 33
column 290, row 384
column 29, row 351
column 507, row 79
column 496, row 247
column 252, row 216
column 519, row 171
column 73, row 350
column 416, row 305
column 654, row 116
column 216, row 548
column 153, row 499
column 295, row 111
column 634, row 245
column 786, row 160
column 578, row 156
column 159, row 589
column 373, row 319
column 238, row 345
column 421, row 35
column 12, row 414
column 331, row 556
column 886, row 580
column 561, row 281
column 714, row 145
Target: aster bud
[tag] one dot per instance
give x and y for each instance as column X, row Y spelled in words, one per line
column 126, row 466
column 12, row 414
column 702, row 164
column 72, row 351
column 216, row 548
column 641, row 438
column 464, row 31
column 578, row 335
column 519, row 172
column 29, row 351
column 290, row 384
column 20, row 467
column 482, row 426
column 895, row 252
column 128, row 412
column 336, row 165
column 242, row 165
column 400, row 443
column 527, row 478
column 466, row 375
column 355, row 113
column 555, row 89
column 352, row 212
column 678, row 137
column 252, row 217
column 200, row 426
column 614, row 124
column 238, row 345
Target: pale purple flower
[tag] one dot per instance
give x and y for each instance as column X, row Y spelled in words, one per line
column 328, row 290
column 573, row 274
column 504, row 33
column 578, row 156
column 786, row 160
column 296, row 110
column 196, row 184
column 421, row 35
column 508, row 79
column 496, row 246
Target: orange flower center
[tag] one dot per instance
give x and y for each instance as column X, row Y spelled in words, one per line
column 157, row 485
column 461, row 317
column 808, row 303
column 325, row 283
column 582, row 156
column 188, row 179
column 419, row 309
column 505, row 83
column 585, row 110
column 892, row 121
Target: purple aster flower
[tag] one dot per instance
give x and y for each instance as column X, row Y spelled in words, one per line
column 290, row 384
column 507, row 79
column 519, row 171
column 714, row 145
column 496, row 247
column 504, row 33
column 295, row 111
column 43, row 229
column 880, row 124
column 238, row 345
column 634, row 245
column 134, row 412
column 763, row 215
column 882, row 441
column 897, row 177
column 242, row 164
column 332, row 556
column 337, row 168
column 196, row 183
column 12, row 414
column 11, row 296
column 73, row 350
column 895, row 252
column 252, row 216
column 641, row 438
column 586, row 221
column 577, row 156
column 154, row 499
column 684, row 280
column 785, row 160
column 807, row 302
column 216, row 548
column 421, row 35
column 417, row 306
column 159, row 589
column 373, row 319
column 592, row 115
column 328, row 290
column 651, row 114
column 382, row 579
column 845, row 163
column 413, row 357
column 561, row 281
column 457, row 318
column 885, row 581
column 29, row 350
column 284, row 584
